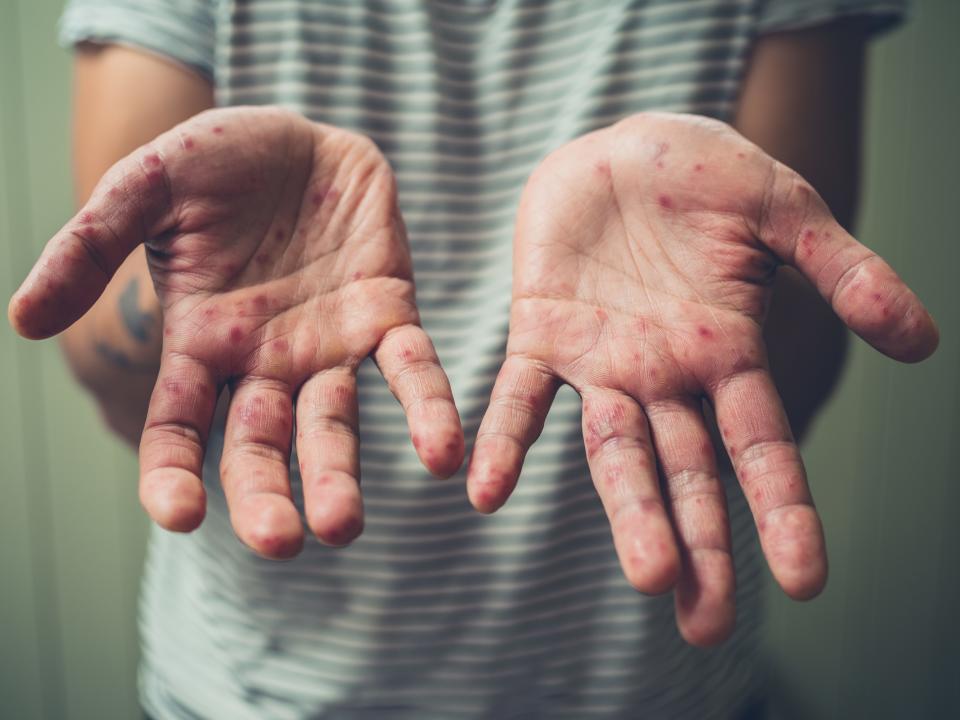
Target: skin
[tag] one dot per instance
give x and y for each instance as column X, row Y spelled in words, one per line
column 799, row 102
column 650, row 249
column 277, row 272
column 122, row 99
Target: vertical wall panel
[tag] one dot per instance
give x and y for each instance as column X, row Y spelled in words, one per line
column 95, row 541
column 877, row 648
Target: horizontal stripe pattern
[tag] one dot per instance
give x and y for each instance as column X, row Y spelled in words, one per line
column 436, row 611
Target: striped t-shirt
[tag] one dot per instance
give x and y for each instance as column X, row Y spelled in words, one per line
column 438, row 611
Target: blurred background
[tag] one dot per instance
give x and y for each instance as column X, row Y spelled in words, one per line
column 881, row 642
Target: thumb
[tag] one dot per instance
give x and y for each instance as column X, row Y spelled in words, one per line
column 128, row 206
column 862, row 288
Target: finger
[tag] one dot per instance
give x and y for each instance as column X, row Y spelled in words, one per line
column 409, row 364
column 328, row 449
column 521, row 398
column 757, row 436
column 77, row 263
column 173, row 442
column 704, row 596
column 624, row 471
column 861, row 287
column 254, row 468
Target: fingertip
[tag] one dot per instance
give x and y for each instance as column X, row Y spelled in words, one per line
column 488, row 487
column 792, row 539
column 339, row 533
column 924, row 340
column 269, row 524
column 442, row 453
column 804, row 584
column 652, row 568
column 704, row 601
column 334, row 508
column 484, row 498
column 174, row 499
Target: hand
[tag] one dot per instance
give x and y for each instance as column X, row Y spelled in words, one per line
column 280, row 261
column 643, row 260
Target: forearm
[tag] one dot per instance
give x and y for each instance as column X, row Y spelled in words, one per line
column 802, row 104
column 122, row 99
column 114, row 350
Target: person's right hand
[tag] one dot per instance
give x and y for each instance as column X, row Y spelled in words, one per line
column 281, row 262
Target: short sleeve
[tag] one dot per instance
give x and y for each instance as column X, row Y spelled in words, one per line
column 181, row 30
column 879, row 15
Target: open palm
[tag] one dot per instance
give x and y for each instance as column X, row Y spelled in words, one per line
column 281, row 262
column 643, row 264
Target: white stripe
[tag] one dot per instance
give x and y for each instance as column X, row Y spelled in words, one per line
column 428, row 59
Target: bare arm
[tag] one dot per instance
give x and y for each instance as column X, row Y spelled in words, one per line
column 122, row 99
column 801, row 102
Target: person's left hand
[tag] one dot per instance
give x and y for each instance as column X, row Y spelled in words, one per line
column 643, row 260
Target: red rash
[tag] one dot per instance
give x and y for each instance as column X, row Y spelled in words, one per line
column 705, row 333
column 358, row 275
column 261, row 303
column 281, row 345
column 698, row 168
column 665, row 202
column 86, row 218
column 236, row 335
column 601, row 314
column 218, row 130
column 188, row 143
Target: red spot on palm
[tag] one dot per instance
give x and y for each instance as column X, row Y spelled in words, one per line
column 705, row 332
column 188, row 143
column 261, row 303
column 357, row 275
column 601, row 314
column 280, row 345
column 218, row 130
column 698, row 167
column 665, row 202
column 262, row 259
column 236, row 334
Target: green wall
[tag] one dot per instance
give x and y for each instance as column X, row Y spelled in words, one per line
column 880, row 643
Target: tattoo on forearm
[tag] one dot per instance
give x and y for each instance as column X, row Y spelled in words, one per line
column 138, row 323
column 121, row 360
